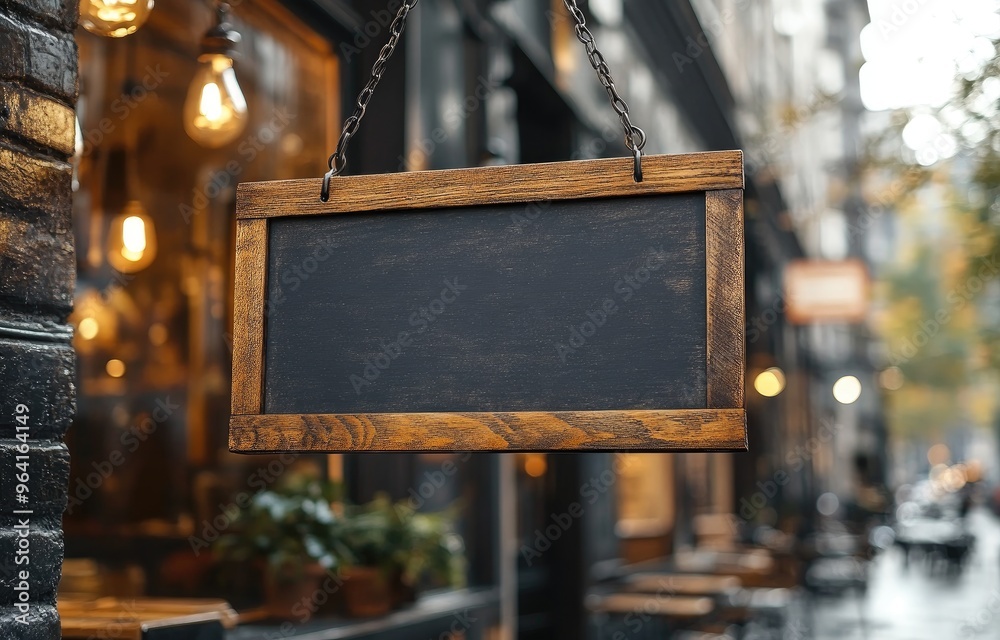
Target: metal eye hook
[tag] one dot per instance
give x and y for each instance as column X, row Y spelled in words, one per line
column 337, row 163
column 636, row 141
column 637, row 163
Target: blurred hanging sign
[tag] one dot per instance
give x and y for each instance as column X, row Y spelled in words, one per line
column 826, row 291
column 560, row 306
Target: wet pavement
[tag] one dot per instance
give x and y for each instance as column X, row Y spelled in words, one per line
column 915, row 602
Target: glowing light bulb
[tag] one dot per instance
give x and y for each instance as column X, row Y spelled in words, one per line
column 210, row 107
column 215, row 111
column 131, row 239
column 114, row 18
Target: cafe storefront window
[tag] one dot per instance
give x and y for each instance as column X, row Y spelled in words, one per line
column 153, row 217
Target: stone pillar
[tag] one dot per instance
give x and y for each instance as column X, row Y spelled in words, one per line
column 38, row 86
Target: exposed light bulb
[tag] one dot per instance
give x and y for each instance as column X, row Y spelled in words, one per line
column 210, row 107
column 114, row 18
column 215, row 111
column 132, row 239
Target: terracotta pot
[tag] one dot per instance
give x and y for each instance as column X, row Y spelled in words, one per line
column 284, row 588
column 366, row 592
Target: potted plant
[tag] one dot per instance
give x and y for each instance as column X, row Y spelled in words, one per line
column 390, row 550
column 383, row 551
column 289, row 532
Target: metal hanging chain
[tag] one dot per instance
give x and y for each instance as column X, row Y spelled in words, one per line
column 338, row 160
column 635, row 138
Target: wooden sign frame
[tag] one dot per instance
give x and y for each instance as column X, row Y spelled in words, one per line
column 719, row 426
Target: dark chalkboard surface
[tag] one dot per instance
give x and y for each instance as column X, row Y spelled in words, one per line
column 580, row 305
column 559, row 306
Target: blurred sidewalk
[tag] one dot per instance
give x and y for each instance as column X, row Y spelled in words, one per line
column 914, row 603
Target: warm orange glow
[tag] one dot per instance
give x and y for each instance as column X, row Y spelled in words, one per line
column 939, row 454
column 535, row 465
column 114, row 18
column 88, row 328
column 115, row 368
column 215, row 111
column 770, row 382
column 891, row 379
column 131, row 239
column 158, row 333
column 973, row 471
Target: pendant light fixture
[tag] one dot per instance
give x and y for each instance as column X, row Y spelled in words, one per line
column 132, row 236
column 114, row 18
column 215, row 111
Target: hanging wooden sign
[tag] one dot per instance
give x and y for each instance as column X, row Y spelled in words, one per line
column 535, row 307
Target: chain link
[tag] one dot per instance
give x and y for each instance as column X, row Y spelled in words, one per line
column 635, row 138
column 338, row 160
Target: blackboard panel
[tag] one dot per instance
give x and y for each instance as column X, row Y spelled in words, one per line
column 489, row 296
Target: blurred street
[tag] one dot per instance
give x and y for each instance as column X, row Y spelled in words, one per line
column 916, row 602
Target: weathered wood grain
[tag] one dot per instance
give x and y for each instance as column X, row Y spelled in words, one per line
column 494, row 185
column 479, row 420
column 248, row 315
column 677, row 430
column 724, row 263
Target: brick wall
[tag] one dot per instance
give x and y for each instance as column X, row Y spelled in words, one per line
column 38, row 76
